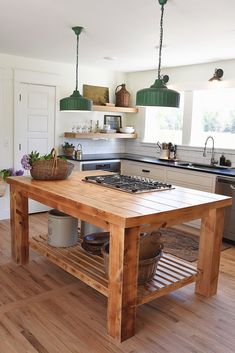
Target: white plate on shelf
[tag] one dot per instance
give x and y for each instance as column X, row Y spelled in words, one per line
column 127, row 130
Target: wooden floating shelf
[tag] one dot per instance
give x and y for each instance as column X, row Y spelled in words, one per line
column 99, row 135
column 105, row 108
column 172, row 273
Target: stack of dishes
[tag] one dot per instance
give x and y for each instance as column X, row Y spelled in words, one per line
column 93, row 242
column 127, row 130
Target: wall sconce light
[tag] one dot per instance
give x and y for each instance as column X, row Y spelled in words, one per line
column 217, row 75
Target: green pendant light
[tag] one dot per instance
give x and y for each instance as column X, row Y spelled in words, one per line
column 76, row 102
column 158, row 94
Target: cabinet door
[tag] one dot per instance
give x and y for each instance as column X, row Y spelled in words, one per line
column 143, row 169
column 190, row 179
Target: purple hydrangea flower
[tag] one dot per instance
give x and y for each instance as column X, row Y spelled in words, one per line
column 19, row 172
column 25, row 162
column 4, row 173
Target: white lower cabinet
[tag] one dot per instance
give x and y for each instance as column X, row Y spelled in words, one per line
column 181, row 177
column 143, row 169
column 193, row 180
column 190, row 179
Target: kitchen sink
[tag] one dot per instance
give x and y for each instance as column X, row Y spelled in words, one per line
column 201, row 165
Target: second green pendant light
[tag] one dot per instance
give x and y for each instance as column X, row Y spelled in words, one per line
column 158, row 94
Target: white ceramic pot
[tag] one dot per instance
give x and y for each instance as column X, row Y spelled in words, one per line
column 62, row 229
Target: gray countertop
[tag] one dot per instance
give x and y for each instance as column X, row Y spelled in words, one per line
column 154, row 161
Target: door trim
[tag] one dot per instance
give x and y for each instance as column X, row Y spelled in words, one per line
column 38, row 78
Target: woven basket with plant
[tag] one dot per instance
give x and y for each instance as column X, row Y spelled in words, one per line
column 68, row 149
column 47, row 167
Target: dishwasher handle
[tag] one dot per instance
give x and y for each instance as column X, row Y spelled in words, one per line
column 225, row 180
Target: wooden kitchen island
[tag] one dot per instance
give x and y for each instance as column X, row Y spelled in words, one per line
column 125, row 216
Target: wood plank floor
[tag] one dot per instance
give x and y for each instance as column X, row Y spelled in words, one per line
column 43, row 309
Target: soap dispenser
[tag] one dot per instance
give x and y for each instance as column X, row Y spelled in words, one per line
column 78, row 152
column 222, row 160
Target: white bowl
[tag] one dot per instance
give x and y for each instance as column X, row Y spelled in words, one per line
column 127, row 129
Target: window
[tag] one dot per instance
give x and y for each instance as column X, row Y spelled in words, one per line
column 164, row 124
column 214, row 114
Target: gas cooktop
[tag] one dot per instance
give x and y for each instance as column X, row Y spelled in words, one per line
column 131, row 184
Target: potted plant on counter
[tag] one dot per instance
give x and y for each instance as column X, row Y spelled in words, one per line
column 68, row 149
column 4, row 173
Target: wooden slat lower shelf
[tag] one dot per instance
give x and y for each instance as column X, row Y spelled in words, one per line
column 76, row 261
column 172, row 273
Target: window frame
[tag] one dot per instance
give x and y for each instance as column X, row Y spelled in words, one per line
column 188, row 121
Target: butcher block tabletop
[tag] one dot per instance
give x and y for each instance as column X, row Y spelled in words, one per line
column 116, row 206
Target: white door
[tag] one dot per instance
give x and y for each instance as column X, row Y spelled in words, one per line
column 34, row 124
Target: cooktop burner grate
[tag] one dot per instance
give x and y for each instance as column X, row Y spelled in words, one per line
column 131, row 184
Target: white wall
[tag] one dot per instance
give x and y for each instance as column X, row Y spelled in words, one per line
column 66, row 74
column 185, row 78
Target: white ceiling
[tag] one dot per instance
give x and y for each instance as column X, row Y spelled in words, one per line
column 195, row 31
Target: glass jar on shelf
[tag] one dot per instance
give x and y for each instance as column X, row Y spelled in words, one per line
column 74, row 127
column 78, row 128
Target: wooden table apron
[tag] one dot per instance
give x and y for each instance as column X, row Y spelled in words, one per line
column 124, row 234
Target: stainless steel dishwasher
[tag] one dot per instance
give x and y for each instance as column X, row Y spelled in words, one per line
column 226, row 186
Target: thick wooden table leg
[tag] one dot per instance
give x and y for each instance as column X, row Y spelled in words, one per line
column 123, row 270
column 19, row 227
column 209, row 252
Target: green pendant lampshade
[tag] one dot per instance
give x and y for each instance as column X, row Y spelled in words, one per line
column 76, row 102
column 158, row 94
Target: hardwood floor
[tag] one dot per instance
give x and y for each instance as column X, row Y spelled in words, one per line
column 43, row 309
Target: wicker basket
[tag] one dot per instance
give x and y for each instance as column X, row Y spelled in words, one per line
column 3, row 186
column 147, row 267
column 53, row 169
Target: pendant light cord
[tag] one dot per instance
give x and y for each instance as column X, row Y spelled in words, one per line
column 160, row 44
column 77, row 62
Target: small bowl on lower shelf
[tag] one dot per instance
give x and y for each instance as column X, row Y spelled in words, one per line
column 93, row 242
